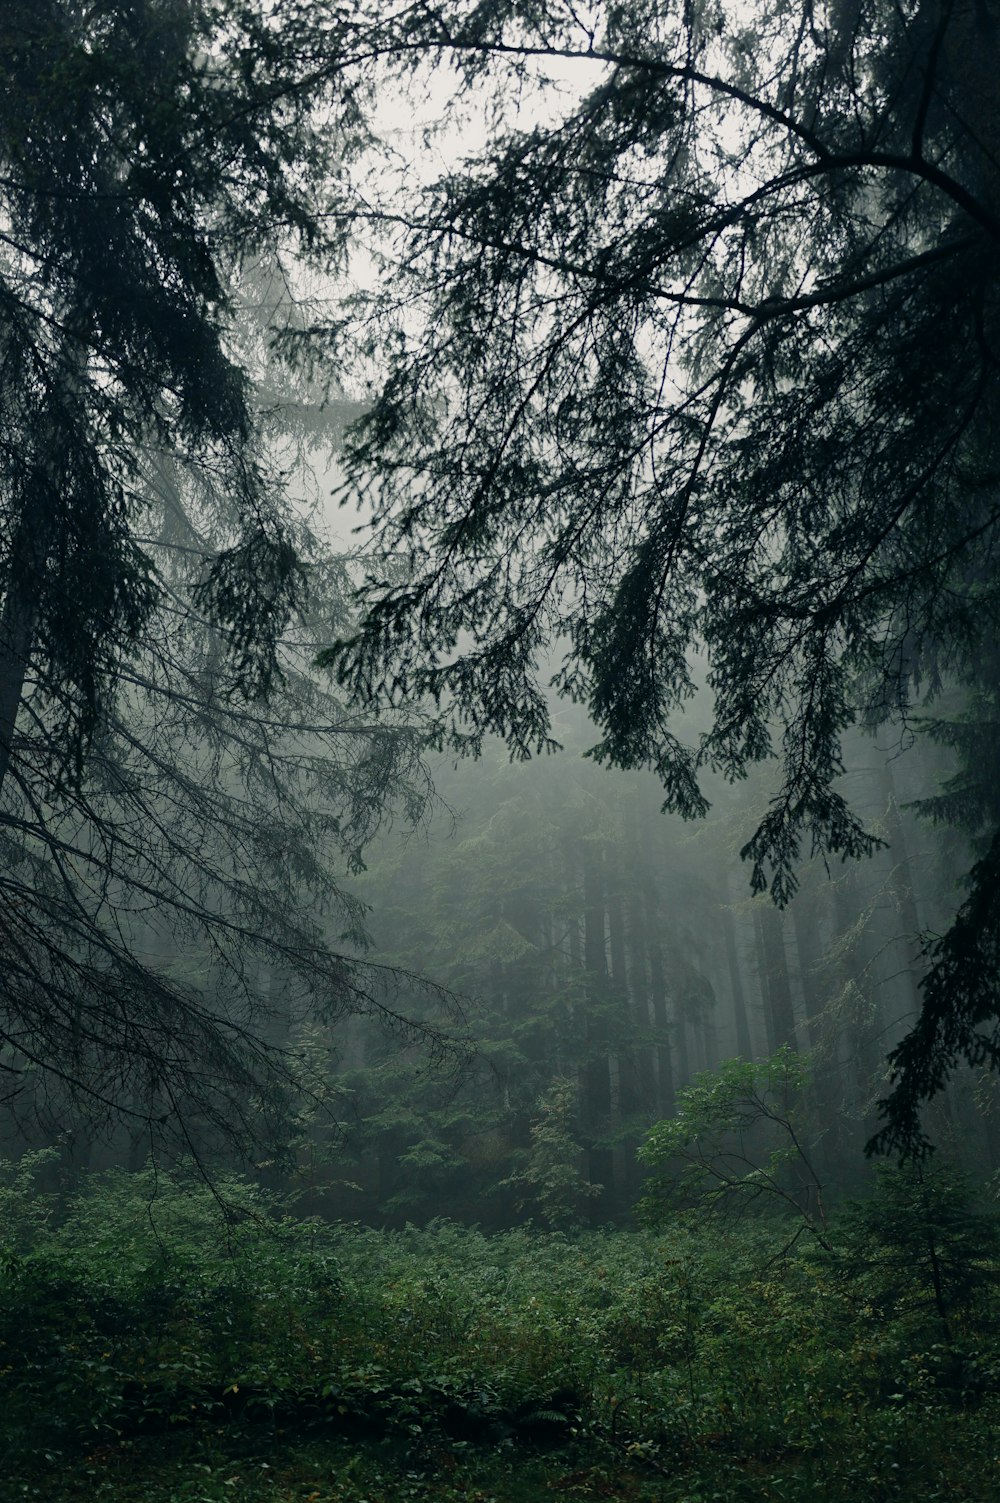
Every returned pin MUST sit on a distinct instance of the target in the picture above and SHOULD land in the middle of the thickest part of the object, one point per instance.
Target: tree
(178, 799)
(498, 914)
(736, 1141)
(920, 1244)
(551, 1176)
(700, 360)
(583, 953)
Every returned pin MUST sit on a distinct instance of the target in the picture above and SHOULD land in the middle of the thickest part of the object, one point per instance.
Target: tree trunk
(640, 991)
(779, 1017)
(32, 542)
(597, 1072)
(744, 1042)
(17, 623)
(805, 926)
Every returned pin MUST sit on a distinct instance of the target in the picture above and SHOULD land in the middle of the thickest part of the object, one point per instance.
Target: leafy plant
(147, 1326)
(737, 1140)
(920, 1246)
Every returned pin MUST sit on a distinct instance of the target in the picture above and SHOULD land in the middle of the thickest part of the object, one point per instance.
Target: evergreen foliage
(702, 358)
(551, 1179)
(680, 973)
(920, 1249)
(543, 906)
(179, 800)
(700, 361)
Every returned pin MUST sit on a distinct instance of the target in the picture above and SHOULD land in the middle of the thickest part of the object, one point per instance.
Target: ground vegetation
(160, 1355)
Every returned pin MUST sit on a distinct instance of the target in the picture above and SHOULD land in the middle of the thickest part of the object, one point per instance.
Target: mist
(499, 758)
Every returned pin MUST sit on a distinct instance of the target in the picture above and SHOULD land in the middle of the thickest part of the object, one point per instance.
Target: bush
(706, 1353)
(736, 1142)
(917, 1261)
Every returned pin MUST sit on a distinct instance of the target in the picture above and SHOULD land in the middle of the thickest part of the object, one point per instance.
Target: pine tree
(702, 357)
(179, 801)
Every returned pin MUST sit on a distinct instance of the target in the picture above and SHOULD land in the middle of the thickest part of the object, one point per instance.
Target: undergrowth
(692, 1364)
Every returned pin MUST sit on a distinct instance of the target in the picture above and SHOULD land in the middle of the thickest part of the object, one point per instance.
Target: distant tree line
(609, 956)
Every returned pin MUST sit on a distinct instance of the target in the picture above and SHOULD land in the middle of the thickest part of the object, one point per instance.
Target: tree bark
(597, 1074)
(744, 1042)
(779, 1017)
(805, 926)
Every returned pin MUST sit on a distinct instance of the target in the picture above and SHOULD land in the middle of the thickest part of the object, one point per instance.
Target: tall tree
(178, 800)
(705, 354)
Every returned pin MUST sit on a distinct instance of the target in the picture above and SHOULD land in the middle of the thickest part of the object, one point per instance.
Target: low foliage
(438, 1362)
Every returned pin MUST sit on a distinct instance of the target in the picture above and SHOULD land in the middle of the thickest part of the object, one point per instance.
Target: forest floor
(342, 1472)
(185, 1470)
(150, 1353)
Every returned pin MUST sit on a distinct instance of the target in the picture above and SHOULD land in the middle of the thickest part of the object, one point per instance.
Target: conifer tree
(178, 799)
(700, 357)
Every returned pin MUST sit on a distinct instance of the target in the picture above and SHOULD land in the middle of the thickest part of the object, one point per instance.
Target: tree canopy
(689, 375)
(686, 376)
(178, 799)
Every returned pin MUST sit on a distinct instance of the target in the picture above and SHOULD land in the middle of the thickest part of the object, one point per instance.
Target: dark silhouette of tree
(178, 799)
(703, 355)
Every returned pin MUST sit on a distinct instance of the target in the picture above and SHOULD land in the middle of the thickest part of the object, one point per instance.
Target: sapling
(737, 1141)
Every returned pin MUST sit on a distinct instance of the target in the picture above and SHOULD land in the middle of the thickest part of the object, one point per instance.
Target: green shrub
(552, 1179)
(704, 1350)
(918, 1263)
(736, 1142)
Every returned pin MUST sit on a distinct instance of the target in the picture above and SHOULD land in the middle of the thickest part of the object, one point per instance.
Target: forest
(499, 751)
